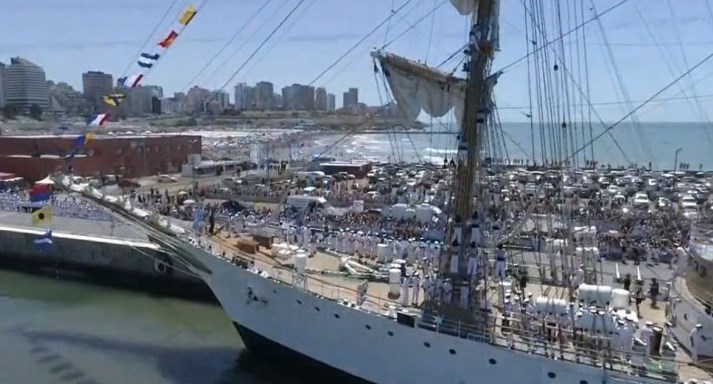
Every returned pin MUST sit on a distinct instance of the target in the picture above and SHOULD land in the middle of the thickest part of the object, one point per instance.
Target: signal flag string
(146, 61)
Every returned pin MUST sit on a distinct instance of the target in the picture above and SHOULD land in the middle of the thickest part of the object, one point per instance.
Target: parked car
(166, 179)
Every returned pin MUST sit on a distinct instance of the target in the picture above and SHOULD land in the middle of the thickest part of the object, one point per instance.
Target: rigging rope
(622, 87)
(585, 23)
(412, 26)
(227, 43)
(662, 90)
(149, 37)
(262, 44)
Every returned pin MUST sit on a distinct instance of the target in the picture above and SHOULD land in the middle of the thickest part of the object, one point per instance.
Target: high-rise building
(263, 95)
(289, 97)
(141, 100)
(222, 99)
(306, 96)
(331, 103)
(243, 97)
(298, 97)
(320, 99)
(96, 84)
(350, 99)
(2, 88)
(25, 85)
(197, 100)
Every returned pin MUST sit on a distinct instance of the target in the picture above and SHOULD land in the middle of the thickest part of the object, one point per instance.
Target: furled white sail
(417, 87)
(469, 7)
(465, 7)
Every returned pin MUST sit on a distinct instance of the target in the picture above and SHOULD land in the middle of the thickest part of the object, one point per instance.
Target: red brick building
(35, 157)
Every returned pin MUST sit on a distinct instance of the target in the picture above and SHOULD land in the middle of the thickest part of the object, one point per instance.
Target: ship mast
(466, 188)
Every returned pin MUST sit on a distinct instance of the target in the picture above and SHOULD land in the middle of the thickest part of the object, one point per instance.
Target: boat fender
(162, 265)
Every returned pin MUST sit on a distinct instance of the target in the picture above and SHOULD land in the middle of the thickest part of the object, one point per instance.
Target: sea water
(643, 143)
(55, 330)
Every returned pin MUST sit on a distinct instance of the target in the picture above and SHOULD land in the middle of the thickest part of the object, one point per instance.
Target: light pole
(675, 167)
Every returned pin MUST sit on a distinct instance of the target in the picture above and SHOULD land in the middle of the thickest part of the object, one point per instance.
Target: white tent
(46, 181)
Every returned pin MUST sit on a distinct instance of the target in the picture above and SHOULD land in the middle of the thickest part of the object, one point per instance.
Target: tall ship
(473, 322)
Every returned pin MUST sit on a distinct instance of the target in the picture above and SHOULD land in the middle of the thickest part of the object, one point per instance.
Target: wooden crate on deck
(264, 241)
(247, 246)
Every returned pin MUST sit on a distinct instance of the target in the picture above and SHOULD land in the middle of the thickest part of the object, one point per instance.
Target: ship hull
(280, 320)
(264, 347)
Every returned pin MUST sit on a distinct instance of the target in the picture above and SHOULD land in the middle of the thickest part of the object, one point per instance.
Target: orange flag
(165, 43)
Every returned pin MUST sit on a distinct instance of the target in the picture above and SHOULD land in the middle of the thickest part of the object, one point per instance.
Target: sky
(650, 42)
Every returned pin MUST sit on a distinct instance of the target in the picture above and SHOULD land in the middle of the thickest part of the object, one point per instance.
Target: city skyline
(650, 45)
(103, 84)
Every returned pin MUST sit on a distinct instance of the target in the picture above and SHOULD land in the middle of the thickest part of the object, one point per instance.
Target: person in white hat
(696, 340)
(647, 336)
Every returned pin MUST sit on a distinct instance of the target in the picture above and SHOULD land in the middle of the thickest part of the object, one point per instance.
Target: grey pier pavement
(108, 252)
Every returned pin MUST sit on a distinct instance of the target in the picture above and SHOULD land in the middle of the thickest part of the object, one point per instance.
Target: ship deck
(344, 289)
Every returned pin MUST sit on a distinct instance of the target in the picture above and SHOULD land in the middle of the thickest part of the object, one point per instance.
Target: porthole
(583, 382)
(390, 333)
(452, 351)
(551, 375)
(336, 316)
(492, 362)
(427, 344)
(367, 326)
(299, 302)
(316, 309)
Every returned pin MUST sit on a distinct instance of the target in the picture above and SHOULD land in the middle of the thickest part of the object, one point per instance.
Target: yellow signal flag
(188, 15)
(42, 215)
(114, 100)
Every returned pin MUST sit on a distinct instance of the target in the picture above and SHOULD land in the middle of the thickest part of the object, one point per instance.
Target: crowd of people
(62, 205)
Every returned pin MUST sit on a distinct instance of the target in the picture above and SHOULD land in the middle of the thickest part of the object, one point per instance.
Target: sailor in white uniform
(696, 341)
(647, 336)
(578, 277)
(682, 261)
(500, 263)
(617, 342)
(436, 259)
(447, 292)
(473, 262)
(407, 282)
(429, 287)
(668, 337)
(416, 290)
(475, 234)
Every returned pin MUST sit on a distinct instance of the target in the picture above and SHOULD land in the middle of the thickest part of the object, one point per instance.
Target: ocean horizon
(626, 144)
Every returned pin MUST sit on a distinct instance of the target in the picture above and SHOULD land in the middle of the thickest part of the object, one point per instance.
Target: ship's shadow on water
(177, 365)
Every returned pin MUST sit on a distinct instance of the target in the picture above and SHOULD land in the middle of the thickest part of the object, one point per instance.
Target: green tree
(9, 111)
(36, 112)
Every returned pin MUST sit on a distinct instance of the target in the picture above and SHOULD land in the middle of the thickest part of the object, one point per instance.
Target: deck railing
(573, 346)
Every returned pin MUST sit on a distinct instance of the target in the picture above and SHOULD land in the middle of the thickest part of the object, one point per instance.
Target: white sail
(469, 7)
(465, 7)
(417, 87)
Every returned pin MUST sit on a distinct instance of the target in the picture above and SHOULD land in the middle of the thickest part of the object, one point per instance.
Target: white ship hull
(283, 321)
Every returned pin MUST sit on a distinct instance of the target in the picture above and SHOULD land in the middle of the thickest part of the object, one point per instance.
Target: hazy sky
(68, 37)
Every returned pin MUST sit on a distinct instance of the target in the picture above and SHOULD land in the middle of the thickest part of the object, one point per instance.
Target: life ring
(162, 265)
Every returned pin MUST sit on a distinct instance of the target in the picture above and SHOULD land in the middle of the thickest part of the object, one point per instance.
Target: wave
(441, 151)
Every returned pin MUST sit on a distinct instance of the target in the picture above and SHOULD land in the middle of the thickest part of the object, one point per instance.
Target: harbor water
(55, 330)
(639, 143)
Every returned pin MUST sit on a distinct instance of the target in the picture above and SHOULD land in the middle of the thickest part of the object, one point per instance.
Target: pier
(114, 254)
